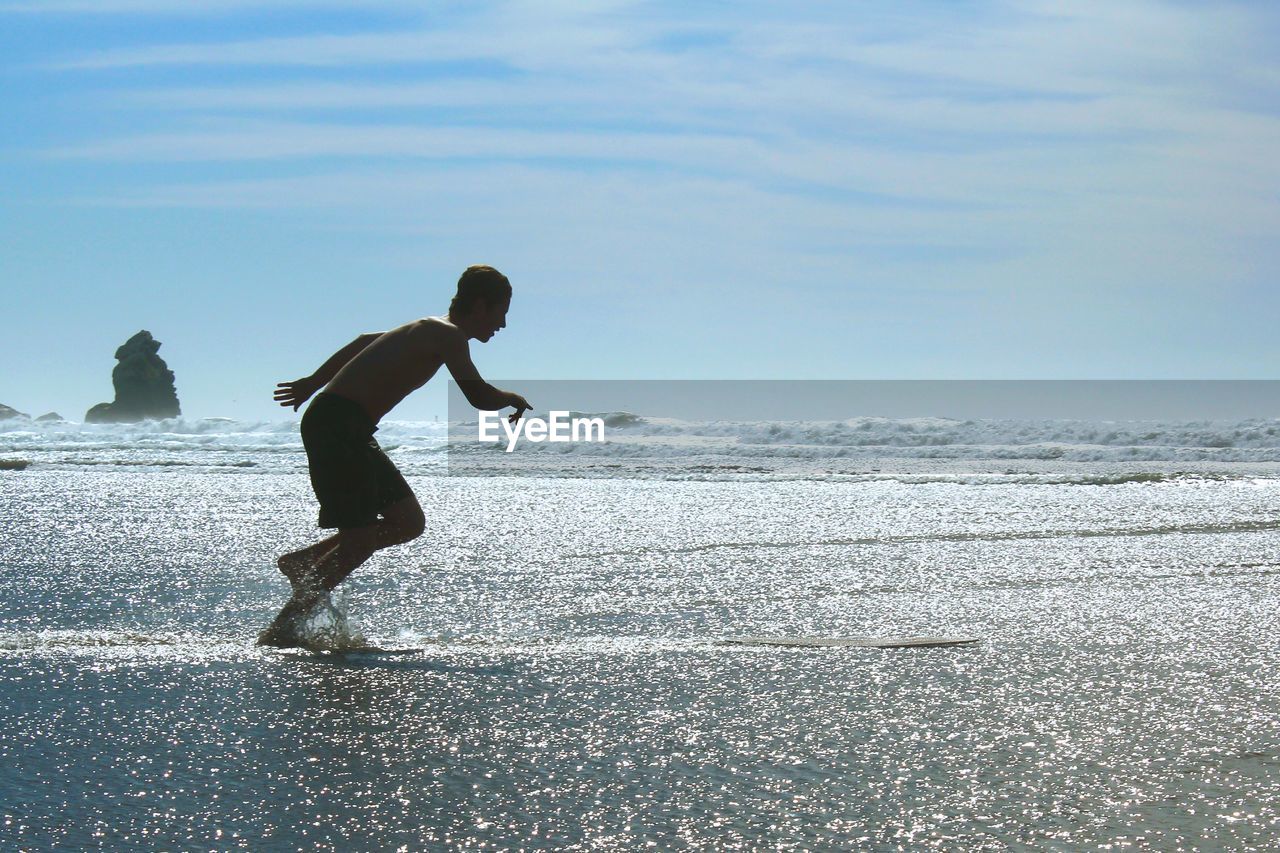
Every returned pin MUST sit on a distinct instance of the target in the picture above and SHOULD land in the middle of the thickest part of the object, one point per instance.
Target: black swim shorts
(352, 477)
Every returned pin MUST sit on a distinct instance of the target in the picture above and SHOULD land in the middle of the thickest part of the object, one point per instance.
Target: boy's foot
(282, 633)
(294, 567)
(278, 638)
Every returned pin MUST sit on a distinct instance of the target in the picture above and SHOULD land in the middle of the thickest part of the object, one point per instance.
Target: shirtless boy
(360, 491)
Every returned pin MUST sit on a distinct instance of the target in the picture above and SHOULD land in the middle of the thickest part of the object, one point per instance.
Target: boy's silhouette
(360, 491)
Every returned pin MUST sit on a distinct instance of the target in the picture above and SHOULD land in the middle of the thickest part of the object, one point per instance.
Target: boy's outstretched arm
(479, 393)
(298, 391)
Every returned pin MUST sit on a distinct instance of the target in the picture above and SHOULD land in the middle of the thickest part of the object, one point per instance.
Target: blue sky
(746, 190)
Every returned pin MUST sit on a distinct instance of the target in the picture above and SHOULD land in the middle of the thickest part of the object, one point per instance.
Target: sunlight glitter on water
(573, 690)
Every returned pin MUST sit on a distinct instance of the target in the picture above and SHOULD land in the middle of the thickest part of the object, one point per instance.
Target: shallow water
(574, 690)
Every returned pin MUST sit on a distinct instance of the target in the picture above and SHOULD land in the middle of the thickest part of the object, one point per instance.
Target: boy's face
(491, 318)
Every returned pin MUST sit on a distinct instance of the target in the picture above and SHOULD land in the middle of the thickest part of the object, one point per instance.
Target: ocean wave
(944, 432)
(1038, 436)
(913, 450)
(1226, 527)
(164, 426)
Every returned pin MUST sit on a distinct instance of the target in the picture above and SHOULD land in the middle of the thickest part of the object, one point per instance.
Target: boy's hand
(521, 406)
(297, 392)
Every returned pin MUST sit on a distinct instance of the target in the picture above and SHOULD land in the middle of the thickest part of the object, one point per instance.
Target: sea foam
(663, 448)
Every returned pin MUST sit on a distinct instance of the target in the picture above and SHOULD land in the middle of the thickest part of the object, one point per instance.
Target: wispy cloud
(510, 33)
(1079, 75)
(633, 226)
(1033, 132)
(985, 187)
(181, 8)
(975, 177)
(315, 50)
(1042, 49)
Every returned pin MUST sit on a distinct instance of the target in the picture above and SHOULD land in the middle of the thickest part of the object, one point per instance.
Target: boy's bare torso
(397, 363)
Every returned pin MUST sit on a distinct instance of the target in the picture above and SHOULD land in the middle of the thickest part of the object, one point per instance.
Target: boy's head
(482, 300)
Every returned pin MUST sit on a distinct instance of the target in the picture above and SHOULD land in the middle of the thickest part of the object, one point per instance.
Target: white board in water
(855, 642)
(343, 651)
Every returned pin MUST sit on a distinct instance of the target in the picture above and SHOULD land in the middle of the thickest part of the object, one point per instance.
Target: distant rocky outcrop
(51, 418)
(143, 383)
(6, 413)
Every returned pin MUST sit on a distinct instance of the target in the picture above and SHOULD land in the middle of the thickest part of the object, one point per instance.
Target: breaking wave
(864, 448)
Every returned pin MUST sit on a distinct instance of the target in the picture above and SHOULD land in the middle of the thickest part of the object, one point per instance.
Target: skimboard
(348, 651)
(854, 642)
(374, 650)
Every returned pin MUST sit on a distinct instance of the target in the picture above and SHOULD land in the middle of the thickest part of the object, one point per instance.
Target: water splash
(327, 626)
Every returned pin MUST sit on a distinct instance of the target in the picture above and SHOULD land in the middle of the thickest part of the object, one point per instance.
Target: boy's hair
(479, 283)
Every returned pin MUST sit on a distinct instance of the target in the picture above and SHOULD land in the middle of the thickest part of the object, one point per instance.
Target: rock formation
(50, 418)
(143, 383)
(6, 413)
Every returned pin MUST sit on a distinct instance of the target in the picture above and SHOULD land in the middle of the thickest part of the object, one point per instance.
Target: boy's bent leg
(331, 560)
(403, 521)
(353, 546)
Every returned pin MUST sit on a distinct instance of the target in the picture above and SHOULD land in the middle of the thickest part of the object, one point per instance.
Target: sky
(807, 190)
